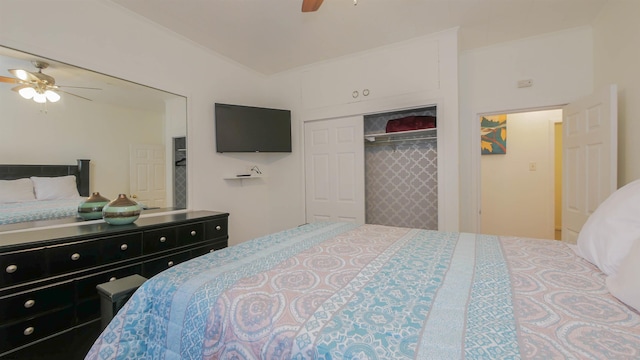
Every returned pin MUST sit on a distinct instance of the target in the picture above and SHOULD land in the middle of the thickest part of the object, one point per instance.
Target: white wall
(101, 36)
(516, 200)
(64, 133)
(560, 65)
(445, 94)
(616, 36)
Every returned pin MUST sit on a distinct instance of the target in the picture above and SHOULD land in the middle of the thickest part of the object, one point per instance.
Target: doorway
(521, 182)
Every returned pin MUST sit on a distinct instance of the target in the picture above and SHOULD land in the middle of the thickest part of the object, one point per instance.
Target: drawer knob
(28, 331)
(365, 92)
(29, 303)
(163, 239)
(193, 233)
(218, 227)
(170, 263)
(355, 94)
(75, 256)
(113, 278)
(11, 269)
(123, 247)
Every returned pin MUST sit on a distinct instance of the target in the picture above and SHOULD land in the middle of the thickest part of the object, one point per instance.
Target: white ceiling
(271, 36)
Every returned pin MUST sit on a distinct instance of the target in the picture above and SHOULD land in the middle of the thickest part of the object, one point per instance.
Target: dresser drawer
(73, 257)
(159, 240)
(29, 304)
(88, 300)
(120, 248)
(86, 286)
(209, 248)
(216, 229)
(190, 234)
(24, 332)
(153, 267)
(22, 266)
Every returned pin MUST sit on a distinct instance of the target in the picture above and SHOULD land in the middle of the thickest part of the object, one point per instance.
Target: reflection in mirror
(133, 135)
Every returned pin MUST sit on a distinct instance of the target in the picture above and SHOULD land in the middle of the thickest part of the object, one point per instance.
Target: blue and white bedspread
(340, 291)
(11, 213)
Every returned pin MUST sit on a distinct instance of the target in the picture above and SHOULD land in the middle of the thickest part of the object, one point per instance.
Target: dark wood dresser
(48, 277)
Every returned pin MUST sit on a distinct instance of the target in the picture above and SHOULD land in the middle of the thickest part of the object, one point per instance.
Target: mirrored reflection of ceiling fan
(37, 85)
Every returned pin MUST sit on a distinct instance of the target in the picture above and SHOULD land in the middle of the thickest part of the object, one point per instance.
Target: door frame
(476, 168)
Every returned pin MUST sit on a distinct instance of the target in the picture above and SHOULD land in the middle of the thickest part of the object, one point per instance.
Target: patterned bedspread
(340, 291)
(38, 210)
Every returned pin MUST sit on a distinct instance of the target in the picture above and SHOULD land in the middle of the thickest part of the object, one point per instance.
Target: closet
(358, 170)
(401, 170)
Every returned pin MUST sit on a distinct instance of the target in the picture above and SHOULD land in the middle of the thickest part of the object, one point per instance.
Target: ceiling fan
(37, 85)
(311, 5)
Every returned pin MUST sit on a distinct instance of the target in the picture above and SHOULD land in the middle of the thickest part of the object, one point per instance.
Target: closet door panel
(334, 168)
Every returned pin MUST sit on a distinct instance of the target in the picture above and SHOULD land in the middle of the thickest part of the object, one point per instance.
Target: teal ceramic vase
(91, 209)
(121, 211)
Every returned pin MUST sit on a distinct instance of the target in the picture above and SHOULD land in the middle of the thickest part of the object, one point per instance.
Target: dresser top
(48, 236)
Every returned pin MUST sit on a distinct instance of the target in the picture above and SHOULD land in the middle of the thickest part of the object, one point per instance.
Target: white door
(334, 169)
(590, 157)
(147, 168)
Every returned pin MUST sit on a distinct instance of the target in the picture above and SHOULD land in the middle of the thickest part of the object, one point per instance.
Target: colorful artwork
(493, 134)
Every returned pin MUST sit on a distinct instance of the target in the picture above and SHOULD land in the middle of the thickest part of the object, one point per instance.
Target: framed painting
(493, 134)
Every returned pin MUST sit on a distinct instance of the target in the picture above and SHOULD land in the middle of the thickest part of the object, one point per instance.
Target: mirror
(134, 135)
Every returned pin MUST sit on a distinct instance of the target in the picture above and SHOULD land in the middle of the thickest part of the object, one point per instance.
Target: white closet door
(334, 170)
(590, 157)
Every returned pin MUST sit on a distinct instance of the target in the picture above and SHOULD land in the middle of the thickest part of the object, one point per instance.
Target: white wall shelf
(235, 177)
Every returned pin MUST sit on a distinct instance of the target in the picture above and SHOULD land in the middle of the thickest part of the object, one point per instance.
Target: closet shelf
(422, 134)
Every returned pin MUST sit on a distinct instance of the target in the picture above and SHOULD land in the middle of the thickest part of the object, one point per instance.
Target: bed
(42, 192)
(346, 291)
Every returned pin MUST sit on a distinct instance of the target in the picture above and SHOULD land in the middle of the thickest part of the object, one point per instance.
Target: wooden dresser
(48, 277)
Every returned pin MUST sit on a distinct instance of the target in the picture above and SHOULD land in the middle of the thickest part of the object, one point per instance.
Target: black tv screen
(252, 129)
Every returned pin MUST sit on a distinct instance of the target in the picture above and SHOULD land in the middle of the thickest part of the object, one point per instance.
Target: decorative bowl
(121, 211)
(91, 209)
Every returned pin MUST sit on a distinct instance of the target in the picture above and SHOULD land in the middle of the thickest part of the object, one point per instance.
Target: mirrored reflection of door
(147, 175)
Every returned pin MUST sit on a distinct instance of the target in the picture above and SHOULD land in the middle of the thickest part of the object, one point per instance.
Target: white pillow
(608, 234)
(16, 190)
(55, 188)
(625, 285)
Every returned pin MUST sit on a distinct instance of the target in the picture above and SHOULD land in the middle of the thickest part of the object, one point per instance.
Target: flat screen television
(252, 129)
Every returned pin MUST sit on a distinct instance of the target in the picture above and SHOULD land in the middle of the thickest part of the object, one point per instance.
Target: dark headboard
(81, 171)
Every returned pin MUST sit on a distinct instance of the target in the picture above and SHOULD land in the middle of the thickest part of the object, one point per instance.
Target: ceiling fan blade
(311, 5)
(9, 80)
(81, 97)
(19, 87)
(24, 75)
(76, 87)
